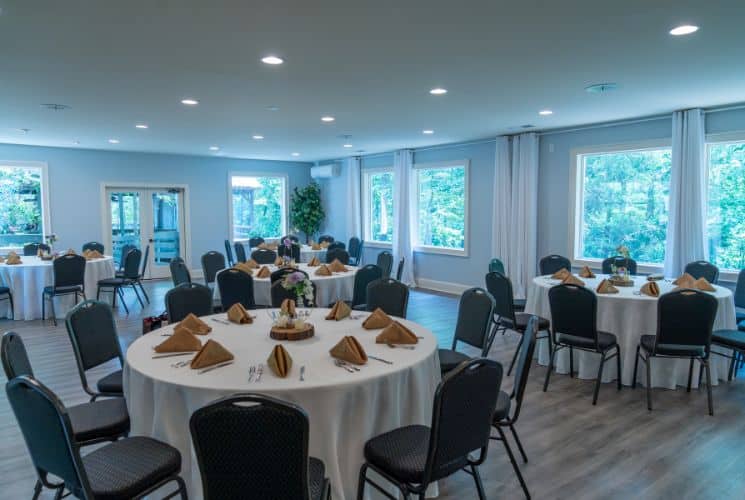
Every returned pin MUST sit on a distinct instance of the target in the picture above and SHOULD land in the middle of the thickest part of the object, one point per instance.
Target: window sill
(377, 244)
(441, 251)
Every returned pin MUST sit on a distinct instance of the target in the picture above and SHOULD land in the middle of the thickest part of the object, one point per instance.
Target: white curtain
(686, 226)
(515, 207)
(403, 226)
(354, 208)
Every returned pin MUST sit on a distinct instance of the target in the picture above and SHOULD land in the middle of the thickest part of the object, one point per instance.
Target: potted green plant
(306, 211)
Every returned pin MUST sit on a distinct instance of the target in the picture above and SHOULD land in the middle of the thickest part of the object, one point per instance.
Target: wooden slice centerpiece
(292, 333)
(619, 281)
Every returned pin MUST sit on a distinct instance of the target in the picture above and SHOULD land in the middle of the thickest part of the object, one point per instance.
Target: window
(441, 206)
(622, 199)
(726, 205)
(24, 214)
(377, 210)
(258, 206)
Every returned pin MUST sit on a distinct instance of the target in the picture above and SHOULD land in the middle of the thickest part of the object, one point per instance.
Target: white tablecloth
(629, 316)
(307, 253)
(329, 289)
(28, 279)
(344, 409)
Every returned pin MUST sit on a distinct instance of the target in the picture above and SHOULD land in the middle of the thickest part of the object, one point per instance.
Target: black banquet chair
(475, 312)
(293, 251)
(400, 269)
(179, 272)
(229, 252)
(355, 250)
(290, 237)
(131, 467)
(69, 279)
(212, 262)
(573, 325)
(703, 269)
(255, 242)
(236, 287)
(685, 319)
(264, 256)
(94, 245)
(188, 298)
(128, 278)
(390, 295)
(240, 252)
(362, 278)
(496, 266)
(618, 261)
(338, 253)
(256, 446)
(6, 294)
(552, 263)
(385, 262)
(31, 249)
(326, 238)
(414, 456)
(740, 300)
(336, 244)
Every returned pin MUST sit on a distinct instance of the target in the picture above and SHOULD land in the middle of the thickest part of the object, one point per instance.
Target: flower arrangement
(621, 271)
(299, 283)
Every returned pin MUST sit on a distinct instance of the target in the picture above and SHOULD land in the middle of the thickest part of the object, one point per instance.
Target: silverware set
(302, 373)
(346, 366)
(221, 321)
(255, 372)
(214, 367)
(380, 359)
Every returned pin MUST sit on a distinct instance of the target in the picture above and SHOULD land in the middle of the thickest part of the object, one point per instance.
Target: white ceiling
(369, 63)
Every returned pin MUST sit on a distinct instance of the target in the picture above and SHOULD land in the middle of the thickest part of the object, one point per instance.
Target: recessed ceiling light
(685, 29)
(189, 102)
(274, 60)
(258, 137)
(272, 108)
(327, 119)
(545, 112)
(114, 141)
(141, 125)
(214, 148)
(428, 132)
(438, 91)
(295, 154)
(348, 146)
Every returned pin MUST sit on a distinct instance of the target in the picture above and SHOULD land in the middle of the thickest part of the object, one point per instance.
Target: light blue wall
(75, 177)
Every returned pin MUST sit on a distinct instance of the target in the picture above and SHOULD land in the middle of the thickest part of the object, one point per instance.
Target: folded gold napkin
(13, 259)
(337, 267)
(704, 285)
(252, 264)
(264, 272)
(685, 281)
(278, 261)
(70, 251)
(349, 349)
(586, 272)
(573, 280)
(195, 324)
(182, 340)
(323, 271)
(314, 262)
(91, 254)
(244, 267)
(238, 314)
(396, 333)
(650, 288)
(340, 311)
(315, 246)
(378, 319)
(560, 274)
(288, 307)
(280, 361)
(605, 286)
(210, 354)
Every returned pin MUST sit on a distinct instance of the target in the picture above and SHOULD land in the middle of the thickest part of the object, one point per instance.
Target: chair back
(240, 252)
(462, 413)
(293, 251)
(685, 317)
(336, 244)
(179, 271)
(500, 288)
(522, 370)
(326, 238)
(145, 259)
(496, 265)
(354, 246)
(69, 270)
(619, 261)
(280, 293)
(252, 443)
(48, 434)
(93, 245)
(188, 298)
(703, 269)
(390, 295)
(229, 252)
(385, 263)
(132, 264)
(125, 250)
(574, 311)
(740, 290)
(236, 286)
(14, 357)
(400, 270)
(92, 331)
(552, 263)
(30, 249)
(264, 256)
(255, 241)
(364, 277)
(212, 262)
(475, 312)
(337, 253)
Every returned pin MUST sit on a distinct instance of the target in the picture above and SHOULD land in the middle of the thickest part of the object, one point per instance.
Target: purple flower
(287, 242)
(295, 278)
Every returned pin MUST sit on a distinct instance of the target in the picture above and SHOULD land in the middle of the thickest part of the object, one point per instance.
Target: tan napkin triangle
(315, 246)
(280, 361)
(252, 264)
(605, 286)
(685, 281)
(211, 353)
(264, 272)
(278, 261)
(70, 251)
(238, 314)
(244, 267)
(263, 246)
(349, 349)
(337, 267)
(396, 333)
(650, 288)
(288, 307)
(378, 319)
(340, 311)
(323, 271)
(182, 340)
(561, 274)
(195, 324)
(314, 262)
(704, 285)
(586, 272)
(13, 259)
(573, 280)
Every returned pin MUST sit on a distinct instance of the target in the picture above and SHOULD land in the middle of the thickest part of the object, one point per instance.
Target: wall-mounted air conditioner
(325, 171)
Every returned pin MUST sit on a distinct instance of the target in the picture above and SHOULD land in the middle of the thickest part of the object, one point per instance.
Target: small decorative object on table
(288, 253)
(298, 283)
(620, 274)
(286, 327)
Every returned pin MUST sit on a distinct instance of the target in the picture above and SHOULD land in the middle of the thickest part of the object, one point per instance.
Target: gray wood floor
(614, 450)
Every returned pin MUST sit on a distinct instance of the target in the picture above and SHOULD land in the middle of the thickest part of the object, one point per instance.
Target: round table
(28, 279)
(329, 289)
(629, 315)
(345, 409)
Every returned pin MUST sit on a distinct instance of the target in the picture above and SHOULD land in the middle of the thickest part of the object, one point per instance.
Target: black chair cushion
(647, 343)
(49, 290)
(522, 322)
(316, 478)
(449, 359)
(115, 282)
(111, 383)
(126, 468)
(502, 410)
(729, 338)
(605, 341)
(105, 418)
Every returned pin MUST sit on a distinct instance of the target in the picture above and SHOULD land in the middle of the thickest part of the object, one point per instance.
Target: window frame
(414, 207)
(366, 213)
(46, 225)
(284, 223)
(576, 197)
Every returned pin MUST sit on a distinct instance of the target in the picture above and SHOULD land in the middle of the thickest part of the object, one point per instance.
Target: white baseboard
(442, 286)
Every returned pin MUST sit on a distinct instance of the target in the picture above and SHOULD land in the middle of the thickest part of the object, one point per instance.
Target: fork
(251, 372)
(349, 365)
(340, 364)
(259, 372)
(302, 373)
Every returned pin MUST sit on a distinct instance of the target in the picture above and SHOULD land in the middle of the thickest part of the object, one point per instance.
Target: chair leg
(477, 480)
(708, 387)
(121, 296)
(618, 367)
(59, 493)
(12, 308)
(144, 293)
(182, 488)
(550, 367)
(513, 461)
(571, 362)
(700, 374)
(137, 294)
(648, 366)
(597, 382)
(514, 358)
(519, 444)
(51, 310)
(690, 376)
(362, 481)
(37, 490)
(731, 371)
(636, 366)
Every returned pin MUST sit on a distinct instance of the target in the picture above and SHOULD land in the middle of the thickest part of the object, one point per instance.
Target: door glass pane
(165, 227)
(125, 221)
